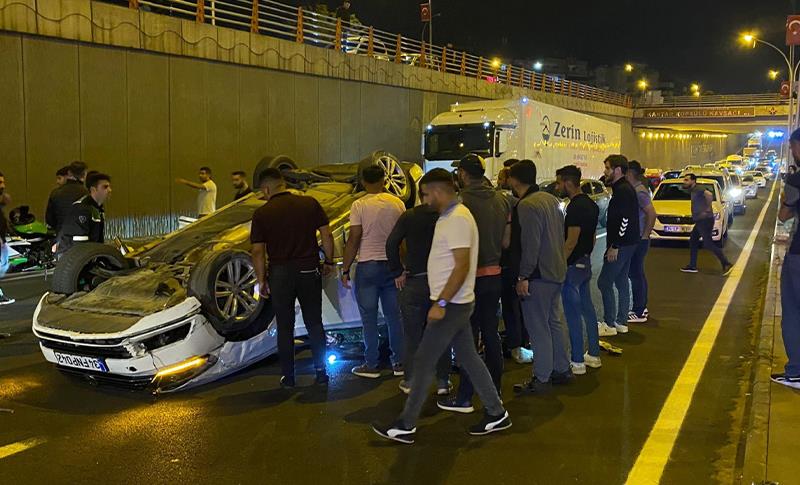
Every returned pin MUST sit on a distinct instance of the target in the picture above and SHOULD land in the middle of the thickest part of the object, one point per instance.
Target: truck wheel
(225, 283)
(398, 179)
(281, 162)
(85, 266)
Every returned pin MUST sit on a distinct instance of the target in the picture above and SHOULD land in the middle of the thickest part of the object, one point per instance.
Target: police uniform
(85, 223)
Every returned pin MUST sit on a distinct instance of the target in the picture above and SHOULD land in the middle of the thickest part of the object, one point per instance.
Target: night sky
(687, 41)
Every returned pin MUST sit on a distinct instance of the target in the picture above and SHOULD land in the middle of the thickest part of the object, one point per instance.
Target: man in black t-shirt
(239, 180)
(576, 295)
(294, 269)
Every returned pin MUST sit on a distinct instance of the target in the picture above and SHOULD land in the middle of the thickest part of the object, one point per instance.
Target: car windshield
(677, 192)
(672, 175)
(452, 142)
(747, 178)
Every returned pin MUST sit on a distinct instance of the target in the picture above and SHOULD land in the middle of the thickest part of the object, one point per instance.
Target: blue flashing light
(525, 100)
(775, 134)
(486, 124)
(332, 358)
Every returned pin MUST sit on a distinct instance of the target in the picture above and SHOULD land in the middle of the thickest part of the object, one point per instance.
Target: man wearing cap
(491, 211)
(647, 219)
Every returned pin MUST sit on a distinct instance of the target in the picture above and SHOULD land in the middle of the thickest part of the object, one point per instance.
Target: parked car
(723, 179)
(595, 189)
(654, 176)
(674, 208)
(185, 309)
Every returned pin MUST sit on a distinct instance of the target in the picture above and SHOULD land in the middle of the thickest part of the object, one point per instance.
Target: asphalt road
(244, 429)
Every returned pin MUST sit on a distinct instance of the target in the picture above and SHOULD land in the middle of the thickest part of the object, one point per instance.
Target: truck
(522, 129)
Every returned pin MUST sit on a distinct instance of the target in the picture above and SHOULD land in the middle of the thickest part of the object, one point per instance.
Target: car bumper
(660, 233)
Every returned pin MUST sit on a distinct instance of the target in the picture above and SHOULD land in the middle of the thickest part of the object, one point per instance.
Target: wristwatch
(442, 303)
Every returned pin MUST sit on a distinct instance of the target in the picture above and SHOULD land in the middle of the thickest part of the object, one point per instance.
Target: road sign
(425, 12)
(793, 30)
(785, 89)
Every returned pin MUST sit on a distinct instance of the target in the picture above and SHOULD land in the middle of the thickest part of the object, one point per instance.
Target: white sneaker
(578, 368)
(522, 355)
(621, 328)
(646, 312)
(592, 361)
(605, 330)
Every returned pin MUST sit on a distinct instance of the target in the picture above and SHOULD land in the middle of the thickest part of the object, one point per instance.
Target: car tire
(72, 272)
(398, 179)
(238, 312)
(281, 162)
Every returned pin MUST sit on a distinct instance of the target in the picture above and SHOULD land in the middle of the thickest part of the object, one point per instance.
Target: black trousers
(516, 334)
(287, 283)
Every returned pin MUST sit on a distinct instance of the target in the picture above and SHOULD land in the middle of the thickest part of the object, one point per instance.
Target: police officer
(86, 220)
(62, 197)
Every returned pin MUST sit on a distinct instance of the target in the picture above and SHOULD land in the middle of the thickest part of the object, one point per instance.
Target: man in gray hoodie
(537, 244)
(491, 211)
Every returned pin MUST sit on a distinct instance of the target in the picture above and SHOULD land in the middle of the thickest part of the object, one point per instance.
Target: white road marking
(652, 459)
(19, 447)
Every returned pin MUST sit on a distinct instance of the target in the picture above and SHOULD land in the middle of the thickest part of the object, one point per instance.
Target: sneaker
(634, 318)
(605, 330)
(591, 361)
(559, 379)
(534, 386)
(578, 368)
(646, 312)
(452, 404)
(366, 371)
(6, 300)
(397, 370)
(621, 328)
(404, 387)
(287, 382)
(322, 378)
(396, 431)
(444, 388)
(726, 269)
(521, 355)
(490, 424)
(689, 269)
(793, 382)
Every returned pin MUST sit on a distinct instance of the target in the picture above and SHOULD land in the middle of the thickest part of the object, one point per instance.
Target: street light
(496, 63)
(628, 67)
(773, 74)
(537, 66)
(695, 88)
(642, 84)
(696, 94)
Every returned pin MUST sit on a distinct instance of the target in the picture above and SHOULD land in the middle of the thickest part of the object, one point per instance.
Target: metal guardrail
(727, 100)
(288, 22)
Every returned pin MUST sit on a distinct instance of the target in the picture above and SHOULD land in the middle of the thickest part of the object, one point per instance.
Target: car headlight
(736, 192)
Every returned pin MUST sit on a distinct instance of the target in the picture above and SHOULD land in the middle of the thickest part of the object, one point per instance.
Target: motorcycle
(31, 242)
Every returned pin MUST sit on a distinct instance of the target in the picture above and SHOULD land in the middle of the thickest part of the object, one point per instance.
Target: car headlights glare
(736, 192)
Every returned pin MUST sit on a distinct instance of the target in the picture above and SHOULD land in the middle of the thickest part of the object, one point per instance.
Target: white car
(673, 207)
(750, 186)
(758, 177)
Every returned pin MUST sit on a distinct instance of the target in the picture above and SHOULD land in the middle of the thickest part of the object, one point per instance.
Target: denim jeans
(374, 283)
(3, 260)
(638, 277)
(484, 324)
(415, 301)
(540, 313)
(453, 330)
(790, 306)
(703, 228)
(616, 274)
(576, 296)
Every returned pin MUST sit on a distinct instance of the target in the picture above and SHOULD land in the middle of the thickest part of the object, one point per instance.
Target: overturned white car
(184, 310)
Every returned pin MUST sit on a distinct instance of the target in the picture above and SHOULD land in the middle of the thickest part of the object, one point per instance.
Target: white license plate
(675, 229)
(81, 362)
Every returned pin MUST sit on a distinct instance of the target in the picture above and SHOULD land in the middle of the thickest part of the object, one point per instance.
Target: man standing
(372, 219)
(621, 242)
(62, 197)
(240, 185)
(491, 211)
(580, 225)
(537, 244)
(206, 191)
(62, 174)
(790, 275)
(647, 219)
(452, 265)
(86, 220)
(4, 231)
(294, 268)
(703, 217)
(415, 227)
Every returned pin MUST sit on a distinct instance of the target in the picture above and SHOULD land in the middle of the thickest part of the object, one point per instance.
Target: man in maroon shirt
(294, 267)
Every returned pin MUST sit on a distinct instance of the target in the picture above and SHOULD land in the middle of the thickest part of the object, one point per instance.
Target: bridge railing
(288, 22)
(728, 100)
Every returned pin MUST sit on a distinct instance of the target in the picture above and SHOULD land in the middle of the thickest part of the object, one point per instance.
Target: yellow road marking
(19, 446)
(652, 460)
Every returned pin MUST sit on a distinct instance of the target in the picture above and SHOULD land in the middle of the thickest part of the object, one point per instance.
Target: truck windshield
(452, 142)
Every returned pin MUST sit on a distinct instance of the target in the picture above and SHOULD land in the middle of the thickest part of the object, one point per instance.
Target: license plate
(674, 229)
(81, 362)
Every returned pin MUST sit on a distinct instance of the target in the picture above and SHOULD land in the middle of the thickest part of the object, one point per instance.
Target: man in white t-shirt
(452, 265)
(206, 191)
(372, 219)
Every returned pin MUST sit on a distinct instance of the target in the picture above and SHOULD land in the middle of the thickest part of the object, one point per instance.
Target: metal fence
(292, 23)
(727, 100)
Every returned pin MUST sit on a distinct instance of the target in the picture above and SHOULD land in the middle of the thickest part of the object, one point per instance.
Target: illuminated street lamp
(496, 63)
(537, 66)
(695, 88)
(696, 94)
(773, 74)
(629, 67)
(642, 84)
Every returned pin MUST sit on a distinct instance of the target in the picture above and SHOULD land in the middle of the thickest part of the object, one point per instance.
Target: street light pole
(430, 24)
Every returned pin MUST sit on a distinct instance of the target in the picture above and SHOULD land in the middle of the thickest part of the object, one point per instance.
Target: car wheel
(398, 180)
(225, 284)
(85, 266)
(281, 162)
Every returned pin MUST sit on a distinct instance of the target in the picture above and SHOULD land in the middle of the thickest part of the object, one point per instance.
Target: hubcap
(396, 181)
(235, 289)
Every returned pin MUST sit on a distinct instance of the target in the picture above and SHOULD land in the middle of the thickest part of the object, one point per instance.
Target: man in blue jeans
(621, 240)
(790, 277)
(372, 218)
(647, 218)
(4, 231)
(580, 226)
